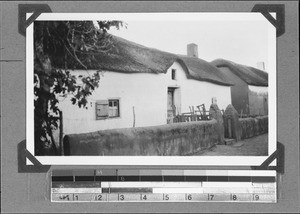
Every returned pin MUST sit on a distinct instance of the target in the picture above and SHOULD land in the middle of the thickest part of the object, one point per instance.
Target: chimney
(261, 66)
(192, 50)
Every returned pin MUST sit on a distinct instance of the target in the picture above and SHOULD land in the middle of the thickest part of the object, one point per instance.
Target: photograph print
(169, 84)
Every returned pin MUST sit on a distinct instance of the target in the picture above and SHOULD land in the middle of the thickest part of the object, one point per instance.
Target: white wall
(194, 92)
(258, 100)
(147, 93)
(259, 89)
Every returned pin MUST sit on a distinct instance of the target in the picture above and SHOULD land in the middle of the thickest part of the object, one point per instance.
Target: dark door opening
(171, 111)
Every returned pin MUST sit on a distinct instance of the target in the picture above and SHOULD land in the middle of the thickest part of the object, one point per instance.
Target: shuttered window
(107, 109)
(101, 109)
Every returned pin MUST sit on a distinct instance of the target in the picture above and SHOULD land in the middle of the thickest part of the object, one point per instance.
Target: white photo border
(154, 160)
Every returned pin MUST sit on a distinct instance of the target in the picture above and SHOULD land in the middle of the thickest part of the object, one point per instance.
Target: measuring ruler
(96, 185)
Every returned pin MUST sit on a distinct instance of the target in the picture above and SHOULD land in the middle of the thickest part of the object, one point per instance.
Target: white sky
(239, 40)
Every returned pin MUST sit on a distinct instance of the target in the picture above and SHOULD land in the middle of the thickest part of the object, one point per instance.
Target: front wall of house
(239, 91)
(143, 99)
(240, 98)
(142, 103)
(194, 92)
(197, 93)
(258, 100)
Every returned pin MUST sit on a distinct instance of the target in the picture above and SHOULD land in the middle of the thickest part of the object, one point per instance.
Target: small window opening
(173, 74)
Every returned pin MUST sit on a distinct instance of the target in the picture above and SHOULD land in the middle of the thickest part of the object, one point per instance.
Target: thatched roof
(129, 57)
(123, 56)
(201, 70)
(250, 75)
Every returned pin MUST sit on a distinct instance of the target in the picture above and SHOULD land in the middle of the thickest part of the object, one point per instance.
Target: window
(101, 109)
(107, 109)
(173, 74)
(113, 108)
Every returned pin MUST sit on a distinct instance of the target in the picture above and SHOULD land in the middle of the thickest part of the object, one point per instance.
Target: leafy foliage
(55, 44)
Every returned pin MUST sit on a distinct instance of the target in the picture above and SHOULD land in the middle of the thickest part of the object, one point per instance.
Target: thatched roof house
(249, 92)
(141, 86)
(250, 75)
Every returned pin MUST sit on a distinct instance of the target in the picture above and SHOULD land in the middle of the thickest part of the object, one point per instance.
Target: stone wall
(242, 128)
(216, 114)
(171, 139)
(232, 124)
(185, 138)
(251, 127)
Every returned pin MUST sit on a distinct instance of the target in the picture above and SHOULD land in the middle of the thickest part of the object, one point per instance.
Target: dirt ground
(255, 146)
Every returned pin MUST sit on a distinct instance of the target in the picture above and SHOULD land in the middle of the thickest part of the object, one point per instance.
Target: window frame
(118, 105)
(102, 102)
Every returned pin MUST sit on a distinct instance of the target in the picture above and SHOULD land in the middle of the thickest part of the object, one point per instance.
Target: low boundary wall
(243, 128)
(251, 127)
(171, 139)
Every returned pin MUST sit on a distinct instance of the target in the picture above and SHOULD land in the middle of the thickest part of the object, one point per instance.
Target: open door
(171, 107)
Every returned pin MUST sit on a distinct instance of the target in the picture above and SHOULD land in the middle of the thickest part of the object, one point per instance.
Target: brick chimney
(261, 66)
(192, 50)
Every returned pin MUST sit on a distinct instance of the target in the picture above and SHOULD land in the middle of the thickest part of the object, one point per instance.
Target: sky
(242, 41)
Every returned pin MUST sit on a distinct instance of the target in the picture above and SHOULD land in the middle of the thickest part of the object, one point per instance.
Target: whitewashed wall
(144, 92)
(147, 93)
(194, 92)
(259, 89)
(258, 100)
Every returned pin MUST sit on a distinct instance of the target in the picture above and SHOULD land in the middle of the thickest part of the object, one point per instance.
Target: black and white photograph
(149, 106)
(180, 86)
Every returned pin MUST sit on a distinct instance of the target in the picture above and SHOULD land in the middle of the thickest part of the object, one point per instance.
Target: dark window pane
(114, 108)
(173, 74)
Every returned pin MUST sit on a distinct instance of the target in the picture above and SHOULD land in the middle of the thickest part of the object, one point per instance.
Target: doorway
(171, 109)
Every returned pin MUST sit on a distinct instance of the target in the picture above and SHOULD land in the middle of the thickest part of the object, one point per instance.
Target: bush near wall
(251, 127)
(165, 140)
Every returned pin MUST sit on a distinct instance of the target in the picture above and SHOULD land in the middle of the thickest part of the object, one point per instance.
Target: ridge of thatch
(202, 70)
(250, 75)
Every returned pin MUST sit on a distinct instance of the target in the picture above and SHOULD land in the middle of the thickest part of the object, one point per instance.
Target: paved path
(255, 146)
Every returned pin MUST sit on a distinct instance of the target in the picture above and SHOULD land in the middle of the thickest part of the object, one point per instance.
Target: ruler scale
(163, 186)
